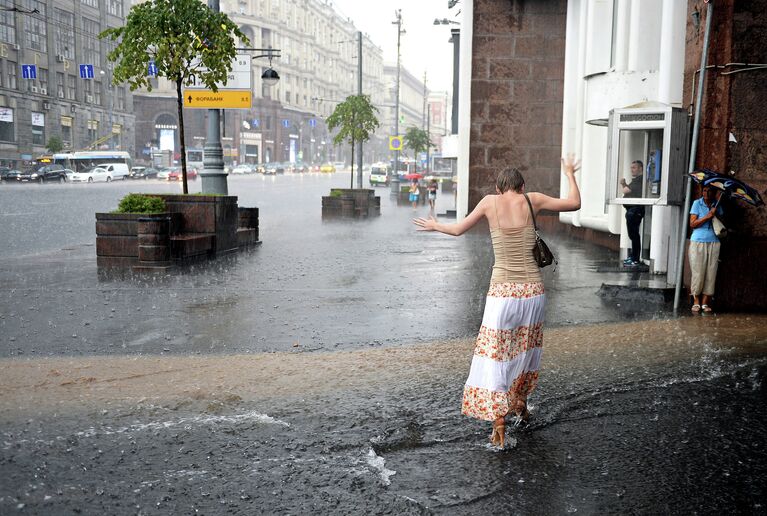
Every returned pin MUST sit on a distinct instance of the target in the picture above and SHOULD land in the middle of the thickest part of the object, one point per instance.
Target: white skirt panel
(495, 375)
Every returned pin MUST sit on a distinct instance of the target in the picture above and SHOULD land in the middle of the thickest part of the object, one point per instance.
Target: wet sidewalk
(310, 286)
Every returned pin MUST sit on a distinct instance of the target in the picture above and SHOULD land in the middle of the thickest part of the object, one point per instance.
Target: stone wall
(518, 60)
(734, 103)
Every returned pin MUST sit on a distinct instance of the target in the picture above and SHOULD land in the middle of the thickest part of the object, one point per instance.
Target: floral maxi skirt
(508, 350)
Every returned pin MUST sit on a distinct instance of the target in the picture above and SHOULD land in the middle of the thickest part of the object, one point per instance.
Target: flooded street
(666, 416)
(322, 372)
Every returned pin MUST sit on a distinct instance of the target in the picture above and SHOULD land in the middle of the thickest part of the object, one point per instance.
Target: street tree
(417, 140)
(356, 121)
(188, 43)
(54, 144)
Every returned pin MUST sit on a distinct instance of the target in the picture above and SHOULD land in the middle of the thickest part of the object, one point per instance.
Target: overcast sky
(425, 46)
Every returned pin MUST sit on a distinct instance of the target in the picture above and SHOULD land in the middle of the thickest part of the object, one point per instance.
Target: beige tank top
(513, 249)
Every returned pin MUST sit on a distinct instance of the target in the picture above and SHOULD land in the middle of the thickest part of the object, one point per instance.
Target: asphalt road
(311, 285)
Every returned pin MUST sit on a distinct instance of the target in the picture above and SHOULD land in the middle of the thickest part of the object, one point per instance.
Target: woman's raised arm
(457, 229)
(573, 201)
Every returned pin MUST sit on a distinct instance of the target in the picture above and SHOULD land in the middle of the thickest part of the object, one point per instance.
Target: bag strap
(530, 205)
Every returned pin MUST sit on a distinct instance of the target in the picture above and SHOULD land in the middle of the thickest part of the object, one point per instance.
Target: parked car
(45, 173)
(274, 168)
(116, 170)
(9, 174)
(379, 175)
(91, 175)
(142, 173)
(176, 174)
(301, 168)
(243, 168)
(339, 165)
(328, 168)
(162, 173)
(314, 167)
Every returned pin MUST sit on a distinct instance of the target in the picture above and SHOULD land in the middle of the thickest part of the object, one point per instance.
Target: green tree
(417, 140)
(356, 121)
(54, 144)
(189, 44)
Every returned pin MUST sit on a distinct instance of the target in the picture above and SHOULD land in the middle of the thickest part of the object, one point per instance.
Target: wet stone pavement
(240, 386)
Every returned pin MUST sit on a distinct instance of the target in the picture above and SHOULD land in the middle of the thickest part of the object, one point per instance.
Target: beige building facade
(42, 94)
(317, 68)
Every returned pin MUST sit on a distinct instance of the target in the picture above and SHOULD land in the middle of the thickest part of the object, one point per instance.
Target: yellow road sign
(221, 99)
(395, 143)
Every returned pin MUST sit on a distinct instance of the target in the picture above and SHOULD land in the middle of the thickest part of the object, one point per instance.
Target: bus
(81, 160)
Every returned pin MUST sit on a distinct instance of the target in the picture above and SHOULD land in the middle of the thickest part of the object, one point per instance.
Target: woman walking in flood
(507, 355)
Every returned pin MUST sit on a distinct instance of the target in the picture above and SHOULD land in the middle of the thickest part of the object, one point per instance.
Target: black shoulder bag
(541, 252)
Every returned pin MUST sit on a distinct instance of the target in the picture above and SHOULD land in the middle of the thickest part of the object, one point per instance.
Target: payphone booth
(656, 135)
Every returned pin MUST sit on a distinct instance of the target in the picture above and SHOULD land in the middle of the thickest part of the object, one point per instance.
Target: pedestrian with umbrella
(706, 228)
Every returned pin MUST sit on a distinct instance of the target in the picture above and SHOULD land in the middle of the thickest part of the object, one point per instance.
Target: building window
(287, 97)
(90, 3)
(59, 85)
(42, 78)
(13, 74)
(64, 34)
(38, 128)
(97, 93)
(93, 131)
(121, 98)
(66, 131)
(88, 88)
(35, 29)
(115, 7)
(268, 123)
(90, 41)
(7, 27)
(71, 87)
(117, 131)
(6, 124)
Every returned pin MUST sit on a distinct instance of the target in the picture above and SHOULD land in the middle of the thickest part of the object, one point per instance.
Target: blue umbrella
(730, 186)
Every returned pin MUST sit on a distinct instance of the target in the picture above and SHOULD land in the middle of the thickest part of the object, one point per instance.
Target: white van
(116, 170)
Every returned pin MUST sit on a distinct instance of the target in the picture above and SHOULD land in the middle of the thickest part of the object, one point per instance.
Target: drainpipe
(693, 156)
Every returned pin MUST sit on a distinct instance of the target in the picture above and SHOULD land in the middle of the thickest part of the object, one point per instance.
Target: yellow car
(327, 167)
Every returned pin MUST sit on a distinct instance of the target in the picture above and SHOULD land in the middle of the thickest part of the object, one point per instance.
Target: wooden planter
(130, 240)
(247, 228)
(117, 239)
(214, 215)
(351, 203)
(195, 226)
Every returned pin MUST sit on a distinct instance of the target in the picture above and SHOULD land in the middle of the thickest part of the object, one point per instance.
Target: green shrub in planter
(138, 203)
(336, 193)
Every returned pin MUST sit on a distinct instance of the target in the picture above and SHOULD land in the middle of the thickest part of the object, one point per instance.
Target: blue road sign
(152, 69)
(256, 122)
(86, 71)
(312, 122)
(28, 71)
(285, 122)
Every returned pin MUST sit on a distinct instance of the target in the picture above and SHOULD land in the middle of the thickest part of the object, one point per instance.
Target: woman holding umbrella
(704, 248)
(704, 243)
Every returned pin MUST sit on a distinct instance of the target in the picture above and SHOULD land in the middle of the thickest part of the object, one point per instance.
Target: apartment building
(317, 68)
(43, 44)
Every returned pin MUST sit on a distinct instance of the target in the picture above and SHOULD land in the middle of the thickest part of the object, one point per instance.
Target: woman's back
(513, 236)
(510, 211)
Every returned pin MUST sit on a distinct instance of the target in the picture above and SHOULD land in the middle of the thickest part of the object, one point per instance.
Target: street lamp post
(213, 176)
(395, 175)
(108, 78)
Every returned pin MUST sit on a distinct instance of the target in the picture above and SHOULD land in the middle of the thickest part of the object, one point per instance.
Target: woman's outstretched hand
(429, 224)
(570, 165)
